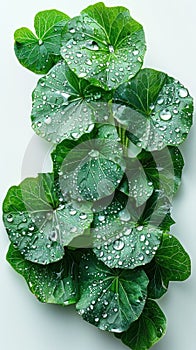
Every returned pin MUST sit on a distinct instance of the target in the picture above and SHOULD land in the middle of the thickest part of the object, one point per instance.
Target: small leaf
(164, 169)
(159, 110)
(147, 330)
(139, 187)
(156, 211)
(104, 44)
(65, 106)
(54, 284)
(90, 168)
(171, 263)
(110, 299)
(39, 221)
(119, 240)
(40, 52)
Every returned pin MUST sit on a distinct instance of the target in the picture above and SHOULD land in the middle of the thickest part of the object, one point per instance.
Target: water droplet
(82, 216)
(89, 62)
(183, 93)
(165, 115)
(72, 212)
(90, 128)
(140, 228)
(128, 232)
(101, 218)
(9, 218)
(141, 257)
(118, 244)
(53, 236)
(96, 319)
(142, 238)
(94, 153)
(72, 30)
(111, 49)
(105, 315)
(92, 45)
(48, 120)
(40, 42)
(82, 75)
(31, 228)
(124, 215)
(160, 101)
(74, 135)
(79, 54)
(135, 52)
(73, 229)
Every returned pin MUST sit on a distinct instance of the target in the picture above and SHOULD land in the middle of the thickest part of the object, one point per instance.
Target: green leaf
(39, 221)
(156, 211)
(163, 169)
(65, 106)
(171, 263)
(54, 284)
(139, 187)
(147, 330)
(90, 168)
(110, 299)
(159, 110)
(120, 241)
(40, 52)
(104, 44)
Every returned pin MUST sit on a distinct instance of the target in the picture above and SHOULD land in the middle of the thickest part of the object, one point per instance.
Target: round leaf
(121, 242)
(40, 52)
(147, 330)
(65, 106)
(104, 44)
(171, 263)
(90, 168)
(53, 284)
(159, 110)
(39, 222)
(110, 299)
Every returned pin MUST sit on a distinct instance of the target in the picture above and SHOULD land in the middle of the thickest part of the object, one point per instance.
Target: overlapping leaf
(65, 106)
(40, 52)
(110, 299)
(147, 330)
(39, 222)
(54, 284)
(171, 263)
(90, 168)
(120, 240)
(104, 44)
(158, 110)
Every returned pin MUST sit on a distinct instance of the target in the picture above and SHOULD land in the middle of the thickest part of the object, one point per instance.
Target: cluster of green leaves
(95, 232)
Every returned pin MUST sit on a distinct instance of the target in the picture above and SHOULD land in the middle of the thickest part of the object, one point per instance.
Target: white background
(170, 28)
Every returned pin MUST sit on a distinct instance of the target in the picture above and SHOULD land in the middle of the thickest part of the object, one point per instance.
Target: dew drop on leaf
(10, 218)
(118, 244)
(183, 93)
(165, 115)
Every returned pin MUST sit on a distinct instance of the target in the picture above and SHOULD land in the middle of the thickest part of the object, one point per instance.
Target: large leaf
(159, 110)
(147, 330)
(39, 221)
(65, 106)
(90, 168)
(119, 240)
(54, 284)
(171, 263)
(104, 44)
(110, 299)
(40, 52)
